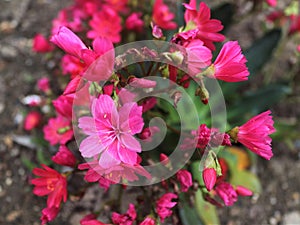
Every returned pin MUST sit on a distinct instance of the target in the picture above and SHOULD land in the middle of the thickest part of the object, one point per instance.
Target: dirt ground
(20, 67)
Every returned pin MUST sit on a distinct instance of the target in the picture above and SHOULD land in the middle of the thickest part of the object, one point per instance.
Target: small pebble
(273, 200)
(8, 181)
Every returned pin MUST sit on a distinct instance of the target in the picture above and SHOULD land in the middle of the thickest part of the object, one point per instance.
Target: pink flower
(110, 132)
(185, 179)
(124, 219)
(50, 183)
(41, 44)
(157, 32)
(209, 177)
(43, 84)
(68, 41)
(164, 205)
(64, 105)
(58, 130)
(272, 3)
(148, 221)
(206, 29)
(72, 65)
(49, 214)
(227, 193)
(91, 220)
(106, 23)
(240, 190)
(32, 120)
(64, 157)
(255, 134)
(198, 56)
(298, 48)
(114, 174)
(162, 16)
(230, 64)
(134, 22)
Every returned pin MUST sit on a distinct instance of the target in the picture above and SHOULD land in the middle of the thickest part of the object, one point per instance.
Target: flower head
(32, 120)
(255, 134)
(185, 179)
(134, 22)
(205, 28)
(43, 84)
(209, 177)
(64, 157)
(41, 44)
(148, 221)
(164, 205)
(162, 16)
(125, 219)
(227, 193)
(49, 214)
(230, 64)
(58, 130)
(111, 132)
(50, 183)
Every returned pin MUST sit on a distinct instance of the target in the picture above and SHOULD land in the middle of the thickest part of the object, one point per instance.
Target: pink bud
(164, 159)
(64, 157)
(43, 84)
(32, 120)
(272, 3)
(142, 83)
(157, 32)
(209, 177)
(240, 190)
(41, 44)
(298, 48)
(68, 41)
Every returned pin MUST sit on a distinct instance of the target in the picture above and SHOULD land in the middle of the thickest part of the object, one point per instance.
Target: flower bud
(240, 190)
(209, 176)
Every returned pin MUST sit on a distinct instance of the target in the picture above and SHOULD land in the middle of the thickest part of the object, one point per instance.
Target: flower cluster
(99, 105)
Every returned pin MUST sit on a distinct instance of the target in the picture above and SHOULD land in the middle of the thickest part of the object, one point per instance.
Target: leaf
(27, 163)
(261, 50)
(225, 14)
(188, 214)
(257, 101)
(246, 179)
(42, 159)
(205, 210)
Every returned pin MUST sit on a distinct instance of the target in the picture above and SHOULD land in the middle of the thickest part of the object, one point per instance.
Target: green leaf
(188, 214)
(261, 50)
(27, 163)
(246, 179)
(205, 210)
(255, 102)
(225, 14)
(42, 159)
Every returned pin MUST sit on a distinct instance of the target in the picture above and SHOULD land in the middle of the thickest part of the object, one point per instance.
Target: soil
(20, 68)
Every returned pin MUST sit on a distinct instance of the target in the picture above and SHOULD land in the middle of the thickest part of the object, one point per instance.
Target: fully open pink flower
(134, 22)
(68, 41)
(125, 219)
(106, 23)
(110, 132)
(162, 16)
(255, 134)
(206, 29)
(164, 205)
(50, 183)
(58, 130)
(230, 64)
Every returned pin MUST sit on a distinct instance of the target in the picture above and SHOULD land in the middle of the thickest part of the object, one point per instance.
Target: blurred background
(274, 83)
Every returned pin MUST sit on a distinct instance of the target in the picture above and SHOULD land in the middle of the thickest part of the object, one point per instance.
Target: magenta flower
(227, 193)
(50, 183)
(206, 29)
(125, 219)
(64, 105)
(255, 134)
(209, 177)
(162, 16)
(49, 214)
(32, 120)
(134, 22)
(230, 65)
(64, 157)
(185, 179)
(164, 205)
(110, 132)
(148, 221)
(68, 41)
(242, 191)
(106, 23)
(43, 84)
(41, 44)
(58, 130)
